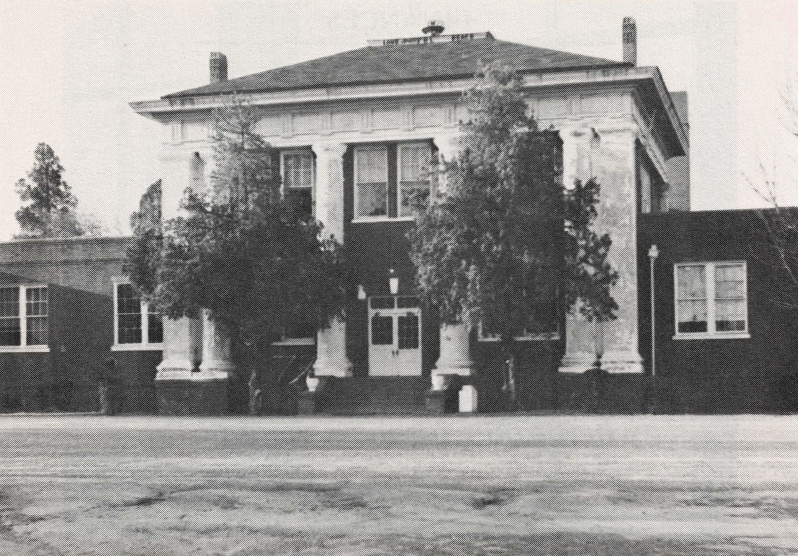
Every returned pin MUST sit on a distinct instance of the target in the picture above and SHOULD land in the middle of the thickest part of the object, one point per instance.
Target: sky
(70, 69)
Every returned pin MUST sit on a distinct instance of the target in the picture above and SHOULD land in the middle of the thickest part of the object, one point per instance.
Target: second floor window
(388, 178)
(298, 180)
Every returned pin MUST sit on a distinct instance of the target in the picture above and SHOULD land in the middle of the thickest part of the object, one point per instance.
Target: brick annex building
(355, 131)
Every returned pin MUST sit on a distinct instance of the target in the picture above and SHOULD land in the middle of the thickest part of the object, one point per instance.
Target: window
(711, 300)
(414, 176)
(298, 180)
(389, 178)
(135, 327)
(371, 182)
(23, 318)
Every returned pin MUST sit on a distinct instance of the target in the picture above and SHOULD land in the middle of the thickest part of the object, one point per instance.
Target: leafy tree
(50, 208)
(503, 239)
(239, 250)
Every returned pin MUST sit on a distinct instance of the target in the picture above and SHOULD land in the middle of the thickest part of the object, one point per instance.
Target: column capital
(448, 146)
(331, 150)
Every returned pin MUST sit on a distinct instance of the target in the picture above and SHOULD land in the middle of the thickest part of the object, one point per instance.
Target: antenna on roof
(433, 28)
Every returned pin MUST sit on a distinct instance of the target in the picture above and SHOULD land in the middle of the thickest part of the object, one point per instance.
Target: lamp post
(653, 253)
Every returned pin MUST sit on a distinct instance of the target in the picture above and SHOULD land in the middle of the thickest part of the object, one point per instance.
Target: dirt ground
(554, 485)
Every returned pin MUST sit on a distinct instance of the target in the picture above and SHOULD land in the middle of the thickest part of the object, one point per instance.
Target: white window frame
(283, 187)
(145, 345)
(23, 318)
(399, 176)
(381, 218)
(709, 275)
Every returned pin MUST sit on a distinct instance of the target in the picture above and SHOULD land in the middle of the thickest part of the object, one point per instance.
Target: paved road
(490, 485)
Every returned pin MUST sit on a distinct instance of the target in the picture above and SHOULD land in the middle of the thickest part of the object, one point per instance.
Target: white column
(217, 360)
(607, 153)
(455, 358)
(331, 358)
(182, 337)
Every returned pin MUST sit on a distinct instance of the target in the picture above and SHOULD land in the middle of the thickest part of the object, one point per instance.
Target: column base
(339, 368)
(614, 362)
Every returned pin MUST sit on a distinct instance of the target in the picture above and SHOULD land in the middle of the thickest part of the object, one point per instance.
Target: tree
(239, 251)
(50, 208)
(502, 241)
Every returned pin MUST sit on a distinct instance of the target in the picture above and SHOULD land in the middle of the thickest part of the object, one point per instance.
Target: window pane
(729, 281)
(155, 328)
(298, 171)
(413, 194)
(415, 162)
(37, 331)
(381, 330)
(372, 199)
(692, 316)
(372, 165)
(10, 332)
(692, 282)
(36, 302)
(300, 200)
(128, 307)
(730, 315)
(9, 302)
(408, 331)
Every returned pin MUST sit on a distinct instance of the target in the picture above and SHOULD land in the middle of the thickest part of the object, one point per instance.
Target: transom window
(711, 299)
(23, 317)
(135, 326)
(388, 178)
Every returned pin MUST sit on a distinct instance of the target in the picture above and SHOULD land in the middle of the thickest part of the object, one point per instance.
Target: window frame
(709, 273)
(399, 146)
(24, 347)
(284, 188)
(145, 344)
(356, 193)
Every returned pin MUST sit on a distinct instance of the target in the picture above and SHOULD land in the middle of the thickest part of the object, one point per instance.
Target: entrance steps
(403, 395)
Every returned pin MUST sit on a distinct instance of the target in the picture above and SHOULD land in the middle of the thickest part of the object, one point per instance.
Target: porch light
(361, 293)
(393, 282)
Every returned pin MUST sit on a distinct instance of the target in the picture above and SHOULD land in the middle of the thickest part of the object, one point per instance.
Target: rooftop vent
(433, 28)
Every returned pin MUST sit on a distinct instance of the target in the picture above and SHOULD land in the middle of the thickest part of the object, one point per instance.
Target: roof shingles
(397, 63)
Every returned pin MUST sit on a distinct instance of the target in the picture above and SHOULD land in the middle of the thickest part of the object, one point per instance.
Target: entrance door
(394, 336)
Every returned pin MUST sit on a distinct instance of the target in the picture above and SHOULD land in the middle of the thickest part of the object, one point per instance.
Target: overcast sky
(70, 69)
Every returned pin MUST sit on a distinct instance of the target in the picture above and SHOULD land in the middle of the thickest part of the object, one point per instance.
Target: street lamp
(653, 253)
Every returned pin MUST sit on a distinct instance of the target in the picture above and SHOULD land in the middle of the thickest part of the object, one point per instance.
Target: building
(353, 130)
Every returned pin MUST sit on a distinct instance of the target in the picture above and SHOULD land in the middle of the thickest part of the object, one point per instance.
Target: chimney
(630, 41)
(218, 67)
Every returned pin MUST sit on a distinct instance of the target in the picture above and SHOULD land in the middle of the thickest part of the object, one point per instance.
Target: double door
(394, 336)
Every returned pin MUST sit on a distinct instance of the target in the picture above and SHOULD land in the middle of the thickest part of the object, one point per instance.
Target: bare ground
(557, 485)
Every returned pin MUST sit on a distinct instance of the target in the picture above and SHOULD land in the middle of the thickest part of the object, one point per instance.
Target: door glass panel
(408, 331)
(381, 330)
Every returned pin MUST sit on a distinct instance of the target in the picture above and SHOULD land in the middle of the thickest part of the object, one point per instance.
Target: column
(331, 358)
(182, 337)
(455, 339)
(608, 153)
(217, 361)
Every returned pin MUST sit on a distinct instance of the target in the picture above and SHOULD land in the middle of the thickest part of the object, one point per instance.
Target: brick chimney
(630, 41)
(218, 67)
